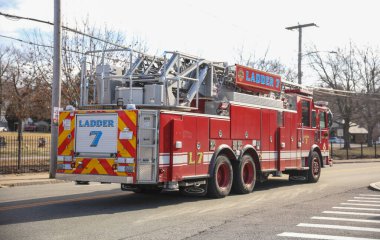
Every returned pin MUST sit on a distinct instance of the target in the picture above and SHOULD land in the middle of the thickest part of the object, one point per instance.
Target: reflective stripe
(164, 160)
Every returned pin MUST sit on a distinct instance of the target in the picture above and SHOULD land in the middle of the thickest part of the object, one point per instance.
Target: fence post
(361, 150)
(19, 145)
(347, 152)
(375, 151)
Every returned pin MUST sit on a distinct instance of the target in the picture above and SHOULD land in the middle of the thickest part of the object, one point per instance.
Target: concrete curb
(375, 186)
(29, 183)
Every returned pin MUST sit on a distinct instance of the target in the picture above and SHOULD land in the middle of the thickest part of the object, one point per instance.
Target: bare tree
(268, 65)
(74, 49)
(4, 65)
(368, 68)
(26, 94)
(338, 71)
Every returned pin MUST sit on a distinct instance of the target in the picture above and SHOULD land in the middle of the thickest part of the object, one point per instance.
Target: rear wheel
(220, 182)
(314, 171)
(244, 175)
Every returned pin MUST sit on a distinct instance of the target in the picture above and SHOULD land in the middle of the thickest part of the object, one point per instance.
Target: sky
(215, 29)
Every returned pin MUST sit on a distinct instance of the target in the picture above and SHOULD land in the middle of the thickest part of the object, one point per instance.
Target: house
(358, 134)
(3, 121)
(42, 126)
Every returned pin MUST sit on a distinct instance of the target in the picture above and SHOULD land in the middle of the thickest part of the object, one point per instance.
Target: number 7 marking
(97, 134)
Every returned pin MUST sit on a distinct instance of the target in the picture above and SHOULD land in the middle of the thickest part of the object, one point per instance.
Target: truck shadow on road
(103, 202)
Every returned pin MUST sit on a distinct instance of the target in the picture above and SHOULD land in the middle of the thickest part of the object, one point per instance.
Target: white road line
(368, 201)
(355, 208)
(362, 204)
(346, 219)
(319, 236)
(370, 195)
(353, 213)
(363, 229)
(368, 198)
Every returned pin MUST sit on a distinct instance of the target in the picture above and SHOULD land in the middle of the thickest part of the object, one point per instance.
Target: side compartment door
(268, 139)
(293, 139)
(201, 145)
(284, 141)
(273, 139)
(182, 157)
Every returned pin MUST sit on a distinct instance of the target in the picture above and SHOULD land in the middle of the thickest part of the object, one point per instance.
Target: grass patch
(30, 145)
(353, 153)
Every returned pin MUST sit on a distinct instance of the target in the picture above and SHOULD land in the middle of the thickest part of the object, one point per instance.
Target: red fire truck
(180, 122)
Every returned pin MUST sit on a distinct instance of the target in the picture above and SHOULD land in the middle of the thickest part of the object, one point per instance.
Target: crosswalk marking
(363, 208)
(367, 198)
(362, 204)
(365, 229)
(367, 201)
(352, 213)
(320, 236)
(346, 219)
(356, 208)
(370, 195)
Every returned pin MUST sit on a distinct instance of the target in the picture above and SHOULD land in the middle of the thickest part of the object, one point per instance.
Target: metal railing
(28, 154)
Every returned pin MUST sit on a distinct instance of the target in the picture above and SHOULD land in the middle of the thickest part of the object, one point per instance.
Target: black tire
(314, 171)
(244, 175)
(220, 182)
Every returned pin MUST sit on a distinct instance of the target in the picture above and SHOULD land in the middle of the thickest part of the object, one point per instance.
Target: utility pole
(299, 27)
(56, 88)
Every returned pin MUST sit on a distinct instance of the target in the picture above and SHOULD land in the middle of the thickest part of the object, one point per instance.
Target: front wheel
(220, 182)
(314, 171)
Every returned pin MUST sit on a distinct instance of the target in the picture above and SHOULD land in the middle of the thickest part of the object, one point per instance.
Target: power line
(13, 17)
(37, 44)
(47, 46)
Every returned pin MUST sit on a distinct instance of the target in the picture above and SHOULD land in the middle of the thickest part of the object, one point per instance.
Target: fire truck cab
(180, 122)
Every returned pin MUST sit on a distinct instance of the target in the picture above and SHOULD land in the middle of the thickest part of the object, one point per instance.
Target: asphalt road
(276, 209)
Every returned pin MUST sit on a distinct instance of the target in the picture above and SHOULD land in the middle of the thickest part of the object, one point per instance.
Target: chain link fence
(28, 154)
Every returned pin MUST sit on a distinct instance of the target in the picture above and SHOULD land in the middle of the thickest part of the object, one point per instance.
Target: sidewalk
(24, 179)
(375, 186)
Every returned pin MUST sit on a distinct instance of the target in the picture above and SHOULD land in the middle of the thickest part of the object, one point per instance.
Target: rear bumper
(94, 178)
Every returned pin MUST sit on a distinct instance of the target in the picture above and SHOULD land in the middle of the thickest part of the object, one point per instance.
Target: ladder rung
(142, 128)
(147, 145)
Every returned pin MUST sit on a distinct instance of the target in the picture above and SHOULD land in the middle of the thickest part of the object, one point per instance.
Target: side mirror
(330, 118)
